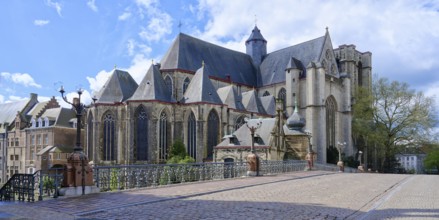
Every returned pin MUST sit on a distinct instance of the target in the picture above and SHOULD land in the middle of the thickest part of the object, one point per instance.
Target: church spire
(256, 46)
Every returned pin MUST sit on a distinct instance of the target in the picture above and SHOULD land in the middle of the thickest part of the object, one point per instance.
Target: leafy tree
(432, 160)
(401, 116)
(178, 154)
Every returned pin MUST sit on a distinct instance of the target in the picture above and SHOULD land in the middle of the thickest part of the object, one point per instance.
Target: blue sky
(46, 43)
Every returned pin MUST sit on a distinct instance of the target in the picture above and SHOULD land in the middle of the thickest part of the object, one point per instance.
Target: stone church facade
(201, 93)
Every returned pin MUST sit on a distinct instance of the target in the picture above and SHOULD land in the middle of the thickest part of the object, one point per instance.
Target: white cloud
(99, 80)
(2, 99)
(21, 79)
(41, 22)
(56, 5)
(92, 5)
(159, 22)
(124, 16)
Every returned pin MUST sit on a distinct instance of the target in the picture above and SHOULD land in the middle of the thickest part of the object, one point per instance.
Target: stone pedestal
(253, 164)
(340, 165)
(78, 173)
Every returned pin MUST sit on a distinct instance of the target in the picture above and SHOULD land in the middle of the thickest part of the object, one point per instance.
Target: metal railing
(27, 187)
(121, 177)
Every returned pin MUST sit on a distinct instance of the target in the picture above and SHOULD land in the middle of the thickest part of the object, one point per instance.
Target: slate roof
(243, 134)
(269, 104)
(252, 103)
(61, 116)
(200, 89)
(255, 35)
(186, 53)
(274, 64)
(118, 88)
(230, 97)
(9, 110)
(153, 87)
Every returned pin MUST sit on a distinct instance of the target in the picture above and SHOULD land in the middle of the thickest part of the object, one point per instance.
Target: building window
(46, 122)
(17, 143)
(39, 139)
(266, 93)
(46, 139)
(282, 95)
(330, 122)
(163, 137)
(40, 122)
(186, 84)
(192, 136)
(239, 122)
(141, 150)
(90, 137)
(109, 136)
(33, 122)
(213, 132)
(168, 82)
(32, 139)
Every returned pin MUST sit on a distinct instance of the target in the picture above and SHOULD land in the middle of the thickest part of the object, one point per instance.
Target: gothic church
(201, 93)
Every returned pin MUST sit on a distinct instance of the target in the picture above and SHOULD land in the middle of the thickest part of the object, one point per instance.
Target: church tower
(256, 46)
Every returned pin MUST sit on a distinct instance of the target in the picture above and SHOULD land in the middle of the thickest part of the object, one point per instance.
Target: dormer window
(33, 123)
(40, 123)
(46, 122)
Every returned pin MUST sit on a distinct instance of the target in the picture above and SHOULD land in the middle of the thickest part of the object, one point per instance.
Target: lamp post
(77, 161)
(252, 158)
(310, 154)
(340, 148)
(360, 167)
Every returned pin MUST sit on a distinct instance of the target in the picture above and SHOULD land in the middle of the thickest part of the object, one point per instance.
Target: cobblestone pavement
(299, 195)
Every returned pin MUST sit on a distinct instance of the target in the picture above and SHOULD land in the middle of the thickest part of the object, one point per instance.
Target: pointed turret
(153, 87)
(295, 121)
(118, 88)
(256, 46)
(201, 89)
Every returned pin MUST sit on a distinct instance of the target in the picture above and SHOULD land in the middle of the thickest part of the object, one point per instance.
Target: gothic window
(168, 82)
(186, 84)
(109, 138)
(325, 66)
(239, 122)
(141, 134)
(282, 95)
(212, 133)
(266, 93)
(331, 109)
(192, 136)
(90, 137)
(163, 136)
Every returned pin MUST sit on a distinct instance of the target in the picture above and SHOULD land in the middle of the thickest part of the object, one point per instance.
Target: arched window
(192, 136)
(141, 134)
(109, 136)
(90, 137)
(186, 84)
(331, 108)
(163, 136)
(239, 122)
(168, 82)
(212, 133)
(266, 93)
(283, 96)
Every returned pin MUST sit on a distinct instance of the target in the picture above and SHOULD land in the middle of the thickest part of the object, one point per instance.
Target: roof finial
(202, 63)
(256, 20)
(179, 26)
(115, 66)
(152, 61)
(326, 29)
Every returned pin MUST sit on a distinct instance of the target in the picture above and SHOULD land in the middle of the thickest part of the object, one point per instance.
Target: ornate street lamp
(310, 155)
(252, 158)
(78, 170)
(340, 148)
